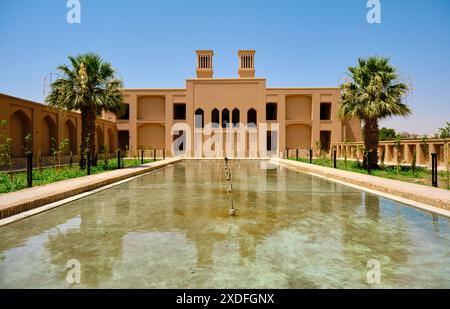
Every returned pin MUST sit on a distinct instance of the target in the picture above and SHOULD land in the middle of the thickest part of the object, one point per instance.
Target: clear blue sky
(299, 43)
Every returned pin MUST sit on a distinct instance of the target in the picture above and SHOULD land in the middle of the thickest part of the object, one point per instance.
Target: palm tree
(373, 92)
(87, 85)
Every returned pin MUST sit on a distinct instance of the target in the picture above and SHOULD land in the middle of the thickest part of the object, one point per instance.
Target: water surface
(172, 229)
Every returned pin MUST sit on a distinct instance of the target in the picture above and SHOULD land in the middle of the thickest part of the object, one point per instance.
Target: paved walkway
(23, 200)
(422, 194)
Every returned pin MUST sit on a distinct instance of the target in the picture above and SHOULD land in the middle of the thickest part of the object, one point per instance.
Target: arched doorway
(70, 133)
(20, 127)
(49, 134)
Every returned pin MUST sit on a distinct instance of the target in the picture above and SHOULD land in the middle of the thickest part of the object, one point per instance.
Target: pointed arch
(236, 117)
(252, 118)
(215, 118)
(48, 136)
(225, 118)
(199, 119)
(70, 133)
(20, 127)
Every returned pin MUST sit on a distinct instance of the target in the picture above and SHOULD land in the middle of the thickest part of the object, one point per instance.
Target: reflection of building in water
(247, 249)
(205, 252)
(207, 231)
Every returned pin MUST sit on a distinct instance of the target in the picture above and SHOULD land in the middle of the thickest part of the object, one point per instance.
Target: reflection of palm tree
(96, 249)
(382, 240)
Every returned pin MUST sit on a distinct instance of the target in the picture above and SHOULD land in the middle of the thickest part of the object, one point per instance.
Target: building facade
(47, 127)
(215, 110)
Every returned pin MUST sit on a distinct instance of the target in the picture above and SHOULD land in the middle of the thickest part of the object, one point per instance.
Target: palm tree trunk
(371, 140)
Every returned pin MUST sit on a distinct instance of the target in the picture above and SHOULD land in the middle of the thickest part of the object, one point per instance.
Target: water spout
(228, 178)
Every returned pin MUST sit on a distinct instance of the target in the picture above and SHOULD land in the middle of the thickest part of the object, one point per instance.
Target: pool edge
(92, 184)
(392, 193)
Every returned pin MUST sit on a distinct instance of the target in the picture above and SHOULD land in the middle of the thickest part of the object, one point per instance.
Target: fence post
(434, 172)
(334, 157)
(88, 165)
(296, 154)
(142, 156)
(154, 155)
(310, 155)
(29, 170)
(164, 154)
(118, 159)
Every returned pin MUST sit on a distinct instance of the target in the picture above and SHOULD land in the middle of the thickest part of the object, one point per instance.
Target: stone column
(133, 122)
(315, 117)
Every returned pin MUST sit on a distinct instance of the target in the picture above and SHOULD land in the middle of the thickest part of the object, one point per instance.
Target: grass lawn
(52, 174)
(422, 176)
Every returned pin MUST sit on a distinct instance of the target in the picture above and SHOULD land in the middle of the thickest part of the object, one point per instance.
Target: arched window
(199, 119)
(251, 118)
(215, 118)
(225, 118)
(236, 117)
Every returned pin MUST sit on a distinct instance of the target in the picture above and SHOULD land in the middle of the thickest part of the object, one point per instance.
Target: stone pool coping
(29, 199)
(420, 196)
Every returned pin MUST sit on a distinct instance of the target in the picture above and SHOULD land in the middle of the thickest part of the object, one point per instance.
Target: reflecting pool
(172, 229)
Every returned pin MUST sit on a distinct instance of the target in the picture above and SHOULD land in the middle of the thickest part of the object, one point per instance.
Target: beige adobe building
(303, 116)
(24, 117)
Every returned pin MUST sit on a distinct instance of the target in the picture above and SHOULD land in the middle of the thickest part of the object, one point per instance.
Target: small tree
(61, 148)
(28, 148)
(105, 156)
(398, 147)
(39, 160)
(53, 150)
(386, 134)
(413, 163)
(71, 159)
(319, 148)
(444, 133)
(359, 151)
(5, 150)
(425, 148)
(383, 156)
(347, 142)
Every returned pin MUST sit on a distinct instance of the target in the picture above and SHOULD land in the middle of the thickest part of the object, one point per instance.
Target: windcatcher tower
(205, 63)
(246, 63)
